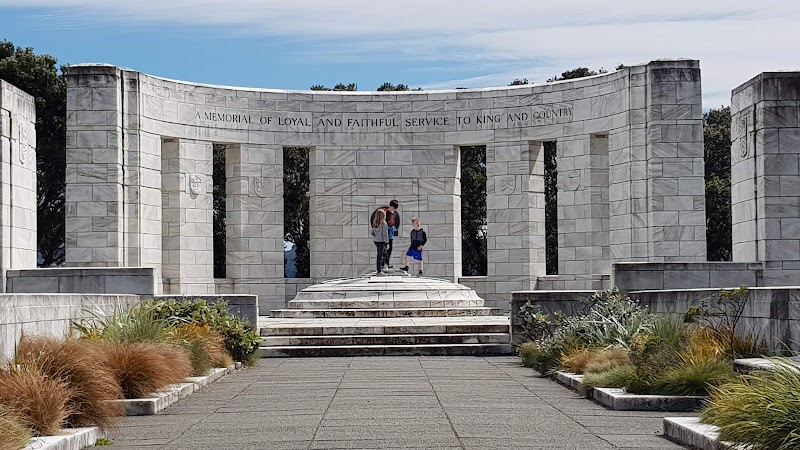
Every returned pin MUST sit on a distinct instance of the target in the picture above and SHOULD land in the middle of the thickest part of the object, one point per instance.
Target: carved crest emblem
(572, 180)
(24, 145)
(507, 184)
(259, 187)
(196, 183)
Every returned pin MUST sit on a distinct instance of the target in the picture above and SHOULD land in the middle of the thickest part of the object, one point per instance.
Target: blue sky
(432, 44)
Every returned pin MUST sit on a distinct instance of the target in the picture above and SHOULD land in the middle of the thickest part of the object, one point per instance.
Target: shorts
(415, 254)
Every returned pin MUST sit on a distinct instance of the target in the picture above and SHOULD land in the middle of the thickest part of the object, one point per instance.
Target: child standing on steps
(418, 241)
(380, 235)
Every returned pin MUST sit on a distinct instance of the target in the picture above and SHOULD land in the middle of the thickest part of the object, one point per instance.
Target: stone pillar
(583, 206)
(765, 175)
(142, 183)
(187, 211)
(657, 189)
(94, 192)
(515, 217)
(17, 179)
(254, 211)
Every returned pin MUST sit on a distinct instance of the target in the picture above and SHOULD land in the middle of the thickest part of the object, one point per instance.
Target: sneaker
(420, 273)
(380, 274)
(404, 268)
(391, 267)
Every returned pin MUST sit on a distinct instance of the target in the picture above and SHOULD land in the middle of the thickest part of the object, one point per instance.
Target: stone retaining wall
(50, 314)
(637, 276)
(85, 280)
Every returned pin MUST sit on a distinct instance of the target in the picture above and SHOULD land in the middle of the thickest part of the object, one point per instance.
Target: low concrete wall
(243, 306)
(567, 302)
(50, 314)
(572, 282)
(83, 280)
(487, 291)
(773, 312)
(629, 277)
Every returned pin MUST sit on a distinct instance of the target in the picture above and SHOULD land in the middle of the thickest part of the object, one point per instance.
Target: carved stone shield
(259, 187)
(196, 183)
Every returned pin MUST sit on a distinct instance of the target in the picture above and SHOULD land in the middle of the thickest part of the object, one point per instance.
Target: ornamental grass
(41, 403)
(141, 369)
(81, 365)
(761, 411)
(14, 435)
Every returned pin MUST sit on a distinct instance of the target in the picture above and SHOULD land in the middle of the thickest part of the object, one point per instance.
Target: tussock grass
(210, 340)
(575, 360)
(137, 324)
(13, 434)
(141, 369)
(607, 359)
(81, 365)
(762, 411)
(40, 402)
(617, 377)
(693, 379)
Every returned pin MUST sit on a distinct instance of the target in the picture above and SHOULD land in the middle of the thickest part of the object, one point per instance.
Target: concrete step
(387, 350)
(386, 339)
(380, 313)
(377, 303)
(379, 326)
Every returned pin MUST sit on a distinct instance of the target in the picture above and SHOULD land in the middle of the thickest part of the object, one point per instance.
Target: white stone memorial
(139, 178)
(17, 179)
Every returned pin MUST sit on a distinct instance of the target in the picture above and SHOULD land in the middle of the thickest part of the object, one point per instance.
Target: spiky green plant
(693, 379)
(617, 377)
(762, 410)
(137, 324)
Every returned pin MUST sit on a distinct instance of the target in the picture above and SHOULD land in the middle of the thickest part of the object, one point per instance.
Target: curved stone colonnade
(139, 188)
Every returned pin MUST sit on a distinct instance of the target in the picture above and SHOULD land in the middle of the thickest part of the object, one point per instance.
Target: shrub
(762, 411)
(617, 377)
(80, 365)
(144, 368)
(13, 434)
(201, 362)
(529, 352)
(696, 378)
(607, 359)
(40, 402)
(655, 351)
(240, 338)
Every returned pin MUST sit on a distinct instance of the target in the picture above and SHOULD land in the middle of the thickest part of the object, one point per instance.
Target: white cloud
(733, 39)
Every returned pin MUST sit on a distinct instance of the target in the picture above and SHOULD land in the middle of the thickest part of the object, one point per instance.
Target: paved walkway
(390, 402)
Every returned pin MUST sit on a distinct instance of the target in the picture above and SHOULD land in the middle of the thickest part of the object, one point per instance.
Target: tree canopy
(39, 76)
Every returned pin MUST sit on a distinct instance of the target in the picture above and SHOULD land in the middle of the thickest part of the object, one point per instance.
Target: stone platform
(388, 315)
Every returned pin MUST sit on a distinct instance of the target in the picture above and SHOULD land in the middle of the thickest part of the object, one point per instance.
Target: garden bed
(619, 400)
(172, 394)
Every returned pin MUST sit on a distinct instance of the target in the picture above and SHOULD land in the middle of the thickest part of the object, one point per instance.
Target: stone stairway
(389, 315)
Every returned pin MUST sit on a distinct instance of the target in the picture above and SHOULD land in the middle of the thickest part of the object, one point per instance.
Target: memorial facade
(139, 175)
(17, 179)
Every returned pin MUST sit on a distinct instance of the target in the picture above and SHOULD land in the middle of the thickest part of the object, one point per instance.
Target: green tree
(717, 137)
(39, 76)
(338, 87)
(220, 180)
(399, 87)
(473, 211)
(551, 208)
(518, 82)
(580, 72)
(296, 197)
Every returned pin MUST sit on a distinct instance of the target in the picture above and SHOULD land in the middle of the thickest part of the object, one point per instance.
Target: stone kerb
(369, 147)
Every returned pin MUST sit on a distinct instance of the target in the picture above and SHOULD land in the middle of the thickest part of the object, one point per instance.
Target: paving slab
(389, 402)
